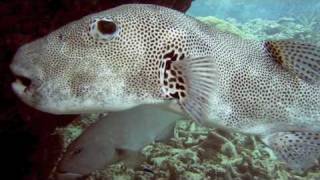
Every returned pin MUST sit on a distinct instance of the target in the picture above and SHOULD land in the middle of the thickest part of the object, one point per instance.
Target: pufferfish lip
(25, 92)
(22, 86)
(23, 82)
(19, 88)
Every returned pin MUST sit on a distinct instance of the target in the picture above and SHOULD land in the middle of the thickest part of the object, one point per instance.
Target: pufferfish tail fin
(302, 59)
(300, 150)
(191, 81)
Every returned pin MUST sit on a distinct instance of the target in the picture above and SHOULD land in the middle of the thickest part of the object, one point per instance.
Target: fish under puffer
(119, 136)
(146, 54)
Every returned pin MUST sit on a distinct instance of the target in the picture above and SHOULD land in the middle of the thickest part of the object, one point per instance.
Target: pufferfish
(138, 54)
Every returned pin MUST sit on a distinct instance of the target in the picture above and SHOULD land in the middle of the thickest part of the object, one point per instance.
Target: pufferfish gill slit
(188, 81)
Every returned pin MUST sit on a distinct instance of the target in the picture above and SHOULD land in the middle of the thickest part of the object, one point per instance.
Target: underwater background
(269, 19)
(32, 142)
(244, 10)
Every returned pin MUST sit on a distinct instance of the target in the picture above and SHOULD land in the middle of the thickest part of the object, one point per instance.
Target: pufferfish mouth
(23, 82)
(22, 86)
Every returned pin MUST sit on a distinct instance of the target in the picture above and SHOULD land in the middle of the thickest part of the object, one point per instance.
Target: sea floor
(197, 153)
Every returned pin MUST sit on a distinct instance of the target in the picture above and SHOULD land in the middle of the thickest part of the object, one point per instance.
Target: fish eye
(106, 27)
(103, 28)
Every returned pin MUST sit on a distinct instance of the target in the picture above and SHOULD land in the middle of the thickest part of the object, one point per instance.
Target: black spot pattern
(173, 80)
(299, 149)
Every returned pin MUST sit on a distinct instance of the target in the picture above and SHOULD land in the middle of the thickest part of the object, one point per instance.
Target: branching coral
(304, 28)
(213, 154)
(311, 23)
(222, 25)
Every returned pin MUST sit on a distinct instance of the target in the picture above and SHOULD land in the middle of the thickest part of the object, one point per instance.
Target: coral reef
(244, 10)
(302, 29)
(283, 28)
(201, 153)
(223, 25)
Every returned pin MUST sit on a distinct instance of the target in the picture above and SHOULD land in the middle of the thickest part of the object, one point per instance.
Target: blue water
(243, 10)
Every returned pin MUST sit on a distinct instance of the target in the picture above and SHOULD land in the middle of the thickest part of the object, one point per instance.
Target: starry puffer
(146, 54)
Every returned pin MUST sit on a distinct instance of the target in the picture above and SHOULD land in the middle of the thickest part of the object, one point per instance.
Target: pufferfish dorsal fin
(190, 81)
(300, 150)
(302, 59)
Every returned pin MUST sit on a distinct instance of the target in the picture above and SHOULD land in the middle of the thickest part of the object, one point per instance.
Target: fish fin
(198, 76)
(302, 59)
(300, 150)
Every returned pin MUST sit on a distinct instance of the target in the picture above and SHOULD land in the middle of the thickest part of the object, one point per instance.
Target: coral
(303, 28)
(202, 153)
(222, 25)
(311, 22)
(284, 28)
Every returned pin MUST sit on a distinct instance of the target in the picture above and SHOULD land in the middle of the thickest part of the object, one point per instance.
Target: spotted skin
(260, 88)
(300, 58)
(173, 81)
(299, 149)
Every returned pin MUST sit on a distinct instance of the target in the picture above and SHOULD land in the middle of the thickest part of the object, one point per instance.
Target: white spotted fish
(145, 54)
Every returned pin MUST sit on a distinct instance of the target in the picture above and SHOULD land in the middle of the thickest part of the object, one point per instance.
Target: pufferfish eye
(106, 27)
(103, 29)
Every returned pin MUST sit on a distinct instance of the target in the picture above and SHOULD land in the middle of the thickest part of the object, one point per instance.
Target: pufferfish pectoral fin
(300, 150)
(302, 59)
(199, 77)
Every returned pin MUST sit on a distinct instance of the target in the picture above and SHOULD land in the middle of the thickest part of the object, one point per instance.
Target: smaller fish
(118, 136)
